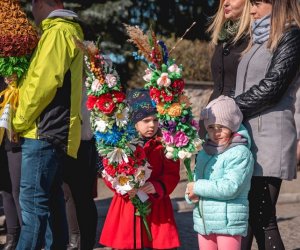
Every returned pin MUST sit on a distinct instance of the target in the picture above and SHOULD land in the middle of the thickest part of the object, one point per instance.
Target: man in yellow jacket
(48, 121)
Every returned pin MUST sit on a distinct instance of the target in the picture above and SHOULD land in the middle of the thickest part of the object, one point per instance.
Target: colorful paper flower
(111, 80)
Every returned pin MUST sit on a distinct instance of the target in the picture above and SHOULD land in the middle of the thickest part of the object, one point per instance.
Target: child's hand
(148, 188)
(132, 192)
(190, 192)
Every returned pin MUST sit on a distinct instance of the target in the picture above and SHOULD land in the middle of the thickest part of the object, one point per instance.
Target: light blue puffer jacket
(222, 183)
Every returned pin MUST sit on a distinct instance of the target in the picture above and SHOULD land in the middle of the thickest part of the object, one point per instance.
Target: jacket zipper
(259, 123)
(200, 204)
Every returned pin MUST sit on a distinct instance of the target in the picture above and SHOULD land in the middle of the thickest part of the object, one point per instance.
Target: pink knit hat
(222, 111)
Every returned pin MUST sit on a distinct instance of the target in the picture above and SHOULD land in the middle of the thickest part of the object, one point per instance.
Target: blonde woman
(229, 37)
(230, 29)
(265, 89)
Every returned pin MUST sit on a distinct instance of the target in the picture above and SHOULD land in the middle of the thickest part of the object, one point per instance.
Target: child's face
(219, 134)
(148, 126)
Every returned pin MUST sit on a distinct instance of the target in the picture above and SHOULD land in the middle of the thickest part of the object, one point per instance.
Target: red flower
(127, 167)
(139, 155)
(155, 94)
(91, 101)
(177, 86)
(105, 104)
(167, 97)
(109, 168)
(119, 96)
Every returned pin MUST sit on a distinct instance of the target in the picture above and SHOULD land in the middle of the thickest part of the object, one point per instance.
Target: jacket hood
(245, 134)
(51, 22)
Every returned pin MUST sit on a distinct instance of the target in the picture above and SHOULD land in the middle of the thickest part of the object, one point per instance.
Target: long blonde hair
(285, 13)
(219, 19)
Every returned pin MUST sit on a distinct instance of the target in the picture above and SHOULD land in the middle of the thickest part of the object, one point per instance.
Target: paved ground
(288, 211)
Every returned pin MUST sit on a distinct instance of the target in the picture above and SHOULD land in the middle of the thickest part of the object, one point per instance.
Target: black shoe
(11, 242)
(74, 242)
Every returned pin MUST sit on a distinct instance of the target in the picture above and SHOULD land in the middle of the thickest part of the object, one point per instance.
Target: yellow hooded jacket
(50, 91)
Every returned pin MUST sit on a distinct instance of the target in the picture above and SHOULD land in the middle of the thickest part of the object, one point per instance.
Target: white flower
(107, 176)
(111, 80)
(96, 85)
(148, 75)
(117, 155)
(198, 144)
(164, 80)
(169, 155)
(101, 125)
(184, 154)
(122, 184)
(174, 68)
(122, 117)
(170, 149)
(142, 174)
(87, 82)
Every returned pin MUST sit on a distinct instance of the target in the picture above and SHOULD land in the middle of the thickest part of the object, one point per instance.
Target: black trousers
(80, 175)
(263, 197)
(10, 165)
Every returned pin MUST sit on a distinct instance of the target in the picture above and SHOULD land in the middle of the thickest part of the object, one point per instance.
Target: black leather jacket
(284, 67)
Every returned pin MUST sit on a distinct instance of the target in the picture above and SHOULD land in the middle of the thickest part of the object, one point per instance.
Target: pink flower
(111, 80)
(168, 138)
(164, 80)
(180, 139)
(174, 68)
(148, 75)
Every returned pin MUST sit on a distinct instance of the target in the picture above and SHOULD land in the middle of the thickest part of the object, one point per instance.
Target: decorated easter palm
(125, 166)
(164, 81)
(17, 41)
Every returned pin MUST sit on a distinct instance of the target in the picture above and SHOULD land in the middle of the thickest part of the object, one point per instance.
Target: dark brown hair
(260, 1)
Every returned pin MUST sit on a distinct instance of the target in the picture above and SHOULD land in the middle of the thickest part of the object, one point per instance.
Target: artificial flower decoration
(164, 80)
(123, 157)
(18, 39)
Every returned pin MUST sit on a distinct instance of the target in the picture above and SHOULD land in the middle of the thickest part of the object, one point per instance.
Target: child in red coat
(122, 228)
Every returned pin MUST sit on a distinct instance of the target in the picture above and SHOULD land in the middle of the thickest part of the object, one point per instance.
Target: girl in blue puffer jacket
(222, 178)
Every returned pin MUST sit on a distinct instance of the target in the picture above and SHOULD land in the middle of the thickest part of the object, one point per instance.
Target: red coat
(122, 228)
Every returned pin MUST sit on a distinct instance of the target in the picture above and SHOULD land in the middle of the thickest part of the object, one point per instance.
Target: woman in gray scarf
(265, 93)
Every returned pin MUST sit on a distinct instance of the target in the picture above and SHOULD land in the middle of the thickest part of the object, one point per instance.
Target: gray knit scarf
(261, 30)
(212, 148)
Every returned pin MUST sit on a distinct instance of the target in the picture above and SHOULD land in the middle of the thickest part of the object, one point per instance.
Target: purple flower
(195, 124)
(180, 139)
(171, 126)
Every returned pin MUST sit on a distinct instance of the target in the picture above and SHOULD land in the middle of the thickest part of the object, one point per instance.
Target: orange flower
(175, 110)
(160, 108)
(185, 100)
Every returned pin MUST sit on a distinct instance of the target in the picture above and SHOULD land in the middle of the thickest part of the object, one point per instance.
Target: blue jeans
(40, 195)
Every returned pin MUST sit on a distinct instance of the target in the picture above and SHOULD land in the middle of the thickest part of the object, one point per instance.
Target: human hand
(190, 188)
(148, 188)
(132, 192)
(190, 192)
